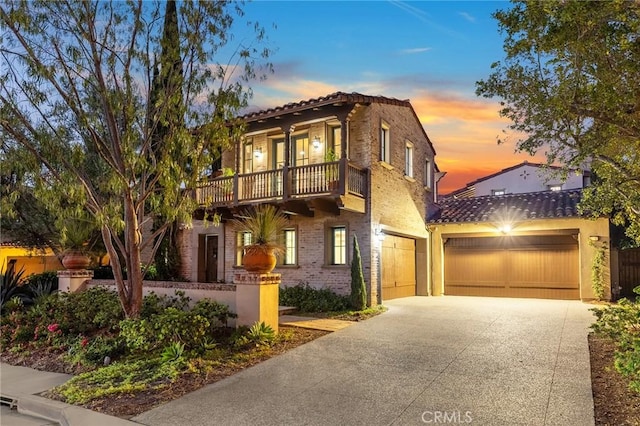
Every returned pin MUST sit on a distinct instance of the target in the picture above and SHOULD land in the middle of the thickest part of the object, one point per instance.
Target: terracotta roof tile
(333, 98)
(513, 207)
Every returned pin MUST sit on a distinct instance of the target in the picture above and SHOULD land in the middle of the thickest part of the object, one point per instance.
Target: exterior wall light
(316, 142)
(594, 237)
(258, 153)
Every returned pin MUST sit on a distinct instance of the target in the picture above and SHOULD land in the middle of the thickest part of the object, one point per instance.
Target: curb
(65, 414)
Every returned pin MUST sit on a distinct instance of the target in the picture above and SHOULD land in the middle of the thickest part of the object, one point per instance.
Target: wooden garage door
(398, 267)
(526, 266)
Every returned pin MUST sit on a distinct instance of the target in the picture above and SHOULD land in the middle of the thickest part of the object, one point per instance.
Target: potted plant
(75, 234)
(265, 223)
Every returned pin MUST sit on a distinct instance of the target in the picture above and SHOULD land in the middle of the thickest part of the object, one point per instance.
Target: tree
(358, 289)
(75, 85)
(569, 83)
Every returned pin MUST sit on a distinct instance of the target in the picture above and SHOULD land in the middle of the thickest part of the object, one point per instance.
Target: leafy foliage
(569, 84)
(309, 299)
(259, 334)
(118, 378)
(621, 322)
(11, 286)
(597, 272)
(265, 223)
(358, 289)
(80, 119)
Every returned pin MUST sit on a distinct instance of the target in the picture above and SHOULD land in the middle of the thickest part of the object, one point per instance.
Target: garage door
(524, 266)
(398, 267)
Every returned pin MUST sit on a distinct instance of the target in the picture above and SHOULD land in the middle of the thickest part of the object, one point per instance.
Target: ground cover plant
(621, 323)
(174, 347)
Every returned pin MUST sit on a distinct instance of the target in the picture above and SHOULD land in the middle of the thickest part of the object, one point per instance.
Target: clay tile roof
(332, 99)
(513, 207)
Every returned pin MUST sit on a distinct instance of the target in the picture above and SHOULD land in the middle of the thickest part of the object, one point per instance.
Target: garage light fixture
(505, 228)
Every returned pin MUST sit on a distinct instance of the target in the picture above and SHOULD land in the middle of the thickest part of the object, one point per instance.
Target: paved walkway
(324, 324)
(433, 360)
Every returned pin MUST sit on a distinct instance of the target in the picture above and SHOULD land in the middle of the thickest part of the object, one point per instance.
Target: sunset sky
(431, 53)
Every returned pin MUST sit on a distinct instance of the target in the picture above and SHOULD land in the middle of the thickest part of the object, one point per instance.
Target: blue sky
(429, 52)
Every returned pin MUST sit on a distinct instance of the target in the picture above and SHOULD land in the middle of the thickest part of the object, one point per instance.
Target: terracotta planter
(75, 260)
(259, 261)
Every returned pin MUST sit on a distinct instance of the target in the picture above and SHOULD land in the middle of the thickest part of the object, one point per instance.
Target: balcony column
(286, 181)
(344, 137)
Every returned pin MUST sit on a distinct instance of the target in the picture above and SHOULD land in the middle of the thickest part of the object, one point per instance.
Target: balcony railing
(335, 178)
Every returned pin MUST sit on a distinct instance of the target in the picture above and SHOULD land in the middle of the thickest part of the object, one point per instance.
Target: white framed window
(247, 160)
(408, 159)
(555, 187)
(428, 174)
(498, 191)
(334, 147)
(337, 245)
(290, 256)
(385, 143)
(301, 145)
(242, 239)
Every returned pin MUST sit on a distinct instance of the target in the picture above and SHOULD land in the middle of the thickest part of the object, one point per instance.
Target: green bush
(358, 288)
(621, 322)
(152, 304)
(258, 334)
(161, 330)
(93, 351)
(216, 313)
(308, 299)
(11, 286)
(42, 284)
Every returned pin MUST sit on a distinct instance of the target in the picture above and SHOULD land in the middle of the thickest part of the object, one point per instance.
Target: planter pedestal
(72, 280)
(257, 298)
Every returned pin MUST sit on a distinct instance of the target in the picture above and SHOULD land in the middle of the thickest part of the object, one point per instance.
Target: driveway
(428, 360)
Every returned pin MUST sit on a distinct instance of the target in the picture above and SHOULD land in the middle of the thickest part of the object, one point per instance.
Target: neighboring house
(517, 233)
(522, 178)
(32, 261)
(340, 166)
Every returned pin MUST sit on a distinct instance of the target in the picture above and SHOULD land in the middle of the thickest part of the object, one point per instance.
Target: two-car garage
(542, 266)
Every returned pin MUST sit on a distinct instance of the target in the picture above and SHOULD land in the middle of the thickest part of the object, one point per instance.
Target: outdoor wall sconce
(258, 153)
(594, 237)
(379, 235)
(316, 142)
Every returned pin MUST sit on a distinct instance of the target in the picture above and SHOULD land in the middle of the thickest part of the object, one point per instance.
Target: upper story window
(498, 191)
(428, 174)
(247, 157)
(555, 187)
(385, 143)
(301, 146)
(334, 147)
(278, 153)
(408, 159)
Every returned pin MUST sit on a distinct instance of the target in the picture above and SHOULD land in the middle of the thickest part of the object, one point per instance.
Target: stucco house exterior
(522, 178)
(502, 236)
(339, 166)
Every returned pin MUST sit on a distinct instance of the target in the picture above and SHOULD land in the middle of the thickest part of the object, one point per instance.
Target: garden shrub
(152, 304)
(161, 330)
(259, 334)
(621, 322)
(11, 286)
(358, 288)
(41, 285)
(216, 313)
(308, 299)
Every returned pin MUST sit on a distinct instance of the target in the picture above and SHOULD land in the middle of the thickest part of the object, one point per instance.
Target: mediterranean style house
(340, 166)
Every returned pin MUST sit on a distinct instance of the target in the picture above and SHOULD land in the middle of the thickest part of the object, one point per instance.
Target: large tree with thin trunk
(75, 101)
(570, 83)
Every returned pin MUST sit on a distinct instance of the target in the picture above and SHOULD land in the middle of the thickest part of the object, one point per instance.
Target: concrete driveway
(428, 360)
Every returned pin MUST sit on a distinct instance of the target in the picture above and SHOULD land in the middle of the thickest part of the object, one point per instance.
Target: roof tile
(512, 207)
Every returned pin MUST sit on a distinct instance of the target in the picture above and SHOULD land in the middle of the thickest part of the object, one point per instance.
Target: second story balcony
(300, 189)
